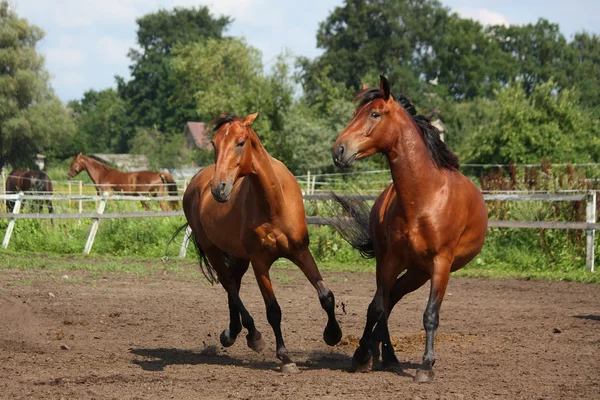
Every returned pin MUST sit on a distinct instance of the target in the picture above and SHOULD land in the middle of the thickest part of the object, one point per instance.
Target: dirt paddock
(125, 337)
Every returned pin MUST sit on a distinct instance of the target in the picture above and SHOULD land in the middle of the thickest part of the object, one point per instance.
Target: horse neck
(264, 178)
(415, 175)
(95, 169)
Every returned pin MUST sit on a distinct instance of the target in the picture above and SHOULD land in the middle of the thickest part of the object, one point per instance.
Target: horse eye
(375, 115)
(240, 144)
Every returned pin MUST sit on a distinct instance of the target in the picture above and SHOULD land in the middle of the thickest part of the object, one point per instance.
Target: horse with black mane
(33, 182)
(429, 222)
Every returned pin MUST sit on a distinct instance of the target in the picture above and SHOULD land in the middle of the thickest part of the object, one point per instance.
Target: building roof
(199, 133)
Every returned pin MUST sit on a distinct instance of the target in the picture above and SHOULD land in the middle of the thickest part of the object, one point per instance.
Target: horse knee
(376, 309)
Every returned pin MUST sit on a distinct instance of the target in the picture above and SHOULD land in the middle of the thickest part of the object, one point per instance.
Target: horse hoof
(290, 368)
(257, 345)
(332, 336)
(362, 367)
(226, 339)
(423, 376)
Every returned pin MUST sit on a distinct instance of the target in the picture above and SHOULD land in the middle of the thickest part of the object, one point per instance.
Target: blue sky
(87, 41)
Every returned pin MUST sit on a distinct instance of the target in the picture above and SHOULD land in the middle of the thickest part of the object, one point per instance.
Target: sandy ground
(125, 337)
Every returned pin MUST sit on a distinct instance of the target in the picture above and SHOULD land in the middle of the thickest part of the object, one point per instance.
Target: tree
(585, 74)
(226, 76)
(548, 124)
(162, 151)
(540, 53)
(149, 93)
(32, 119)
(103, 125)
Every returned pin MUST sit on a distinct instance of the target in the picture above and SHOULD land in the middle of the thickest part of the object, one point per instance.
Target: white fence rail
(589, 225)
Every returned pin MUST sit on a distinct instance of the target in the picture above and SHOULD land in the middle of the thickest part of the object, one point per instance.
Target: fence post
(184, 244)
(70, 194)
(3, 181)
(308, 182)
(590, 235)
(11, 224)
(94, 230)
(314, 182)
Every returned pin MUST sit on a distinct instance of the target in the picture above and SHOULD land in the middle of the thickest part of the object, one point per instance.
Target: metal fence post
(186, 240)
(590, 218)
(94, 230)
(11, 224)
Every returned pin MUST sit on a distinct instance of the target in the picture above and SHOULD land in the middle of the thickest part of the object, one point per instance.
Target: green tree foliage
(548, 124)
(162, 151)
(540, 53)
(32, 119)
(149, 93)
(103, 124)
(226, 76)
(586, 69)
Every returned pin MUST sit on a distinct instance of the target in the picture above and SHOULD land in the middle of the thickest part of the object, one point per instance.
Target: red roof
(199, 133)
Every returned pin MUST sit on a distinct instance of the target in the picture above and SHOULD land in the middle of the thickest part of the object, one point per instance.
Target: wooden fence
(589, 225)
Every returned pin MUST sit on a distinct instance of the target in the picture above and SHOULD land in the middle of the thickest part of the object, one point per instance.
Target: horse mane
(222, 120)
(438, 150)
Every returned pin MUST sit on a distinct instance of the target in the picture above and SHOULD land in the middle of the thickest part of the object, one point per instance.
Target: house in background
(197, 136)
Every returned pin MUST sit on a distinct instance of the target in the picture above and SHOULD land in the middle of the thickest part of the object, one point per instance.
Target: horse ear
(364, 86)
(384, 86)
(249, 120)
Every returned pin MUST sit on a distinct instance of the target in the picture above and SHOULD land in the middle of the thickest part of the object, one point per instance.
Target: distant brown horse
(143, 183)
(429, 222)
(248, 208)
(37, 182)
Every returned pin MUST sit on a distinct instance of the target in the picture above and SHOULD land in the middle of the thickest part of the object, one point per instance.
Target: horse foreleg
(261, 271)
(229, 335)
(412, 280)
(145, 204)
(439, 283)
(305, 261)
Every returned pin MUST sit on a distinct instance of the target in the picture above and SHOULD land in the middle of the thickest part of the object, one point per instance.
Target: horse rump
(168, 180)
(352, 223)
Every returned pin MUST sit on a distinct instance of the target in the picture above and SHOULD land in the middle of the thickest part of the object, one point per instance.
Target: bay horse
(143, 183)
(247, 208)
(429, 222)
(37, 181)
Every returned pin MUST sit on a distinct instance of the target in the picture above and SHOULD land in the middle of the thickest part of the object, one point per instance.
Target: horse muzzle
(221, 191)
(342, 157)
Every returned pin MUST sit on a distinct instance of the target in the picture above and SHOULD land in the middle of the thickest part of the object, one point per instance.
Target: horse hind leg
(439, 283)
(238, 268)
(217, 259)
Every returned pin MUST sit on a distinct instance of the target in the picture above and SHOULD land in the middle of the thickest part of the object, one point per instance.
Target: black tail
(207, 269)
(353, 224)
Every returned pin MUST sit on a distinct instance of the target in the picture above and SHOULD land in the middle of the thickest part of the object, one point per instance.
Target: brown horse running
(36, 181)
(429, 222)
(248, 208)
(143, 183)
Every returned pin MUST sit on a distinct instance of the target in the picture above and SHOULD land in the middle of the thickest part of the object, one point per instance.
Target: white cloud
(113, 50)
(61, 57)
(484, 16)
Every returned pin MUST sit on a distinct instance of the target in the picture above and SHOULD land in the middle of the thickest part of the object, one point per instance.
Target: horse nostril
(342, 148)
(222, 188)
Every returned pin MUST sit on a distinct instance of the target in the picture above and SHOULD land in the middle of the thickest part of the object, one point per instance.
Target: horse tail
(168, 180)
(207, 269)
(353, 224)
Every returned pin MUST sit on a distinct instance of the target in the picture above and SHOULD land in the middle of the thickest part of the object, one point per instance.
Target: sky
(87, 41)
